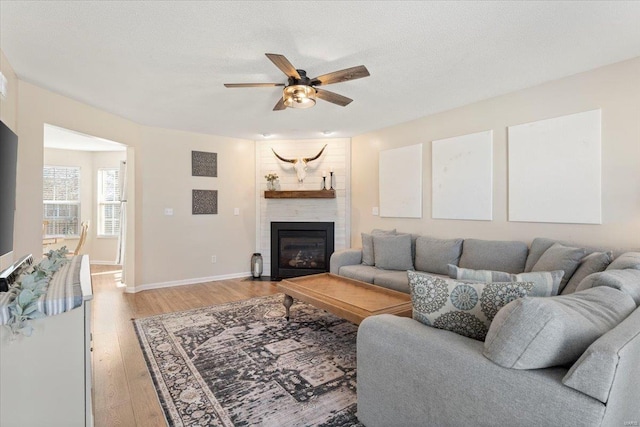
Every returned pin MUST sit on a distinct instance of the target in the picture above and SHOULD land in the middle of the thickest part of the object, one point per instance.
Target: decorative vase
(271, 185)
(256, 265)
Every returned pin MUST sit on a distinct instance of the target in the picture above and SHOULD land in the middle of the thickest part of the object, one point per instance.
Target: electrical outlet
(375, 211)
(214, 259)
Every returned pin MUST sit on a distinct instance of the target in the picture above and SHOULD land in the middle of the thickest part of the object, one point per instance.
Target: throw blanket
(63, 292)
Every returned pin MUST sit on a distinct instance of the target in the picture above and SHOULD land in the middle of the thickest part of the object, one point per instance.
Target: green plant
(29, 287)
(271, 176)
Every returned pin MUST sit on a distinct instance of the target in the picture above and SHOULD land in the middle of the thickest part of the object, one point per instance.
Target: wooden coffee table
(347, 298)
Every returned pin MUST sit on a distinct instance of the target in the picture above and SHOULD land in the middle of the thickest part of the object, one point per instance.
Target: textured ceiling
(164, 63)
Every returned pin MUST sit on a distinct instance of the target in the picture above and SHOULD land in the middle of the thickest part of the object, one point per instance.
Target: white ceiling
(164, 63)
(64, 139)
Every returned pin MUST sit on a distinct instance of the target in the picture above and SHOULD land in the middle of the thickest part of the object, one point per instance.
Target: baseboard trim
(98, 262)
(194, 281)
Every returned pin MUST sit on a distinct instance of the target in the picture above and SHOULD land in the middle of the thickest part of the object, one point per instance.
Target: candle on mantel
(324, 174)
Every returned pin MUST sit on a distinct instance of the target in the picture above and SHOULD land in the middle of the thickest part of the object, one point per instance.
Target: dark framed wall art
(204, 202)
(204, 164)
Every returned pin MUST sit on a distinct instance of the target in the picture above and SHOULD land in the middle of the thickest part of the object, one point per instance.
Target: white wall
(37, 107)
(336, 156)
(168, 250)
(615, 89)
(178, 249)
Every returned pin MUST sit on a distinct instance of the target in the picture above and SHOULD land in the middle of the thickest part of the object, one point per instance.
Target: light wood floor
(124, 394)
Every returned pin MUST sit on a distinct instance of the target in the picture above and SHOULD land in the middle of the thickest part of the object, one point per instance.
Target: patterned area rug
(242, 364)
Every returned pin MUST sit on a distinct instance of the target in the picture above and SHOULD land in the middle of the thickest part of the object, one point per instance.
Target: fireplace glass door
(303, 252)
(300, 248)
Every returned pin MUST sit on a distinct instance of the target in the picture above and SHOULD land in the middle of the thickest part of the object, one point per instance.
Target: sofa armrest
(410, 374)
(608, 371)
(345, 257)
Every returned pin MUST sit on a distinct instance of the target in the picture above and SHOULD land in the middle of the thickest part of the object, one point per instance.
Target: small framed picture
(204, 202)
(204, 164)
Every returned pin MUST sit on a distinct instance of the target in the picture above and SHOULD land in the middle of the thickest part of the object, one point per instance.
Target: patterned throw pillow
(466, 308)
(545, 283)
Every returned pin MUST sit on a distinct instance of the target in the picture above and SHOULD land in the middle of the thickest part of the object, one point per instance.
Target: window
(61, 197)
(108, 202)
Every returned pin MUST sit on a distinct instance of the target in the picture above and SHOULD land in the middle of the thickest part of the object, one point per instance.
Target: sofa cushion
(541, 244)
(560, 257)
(534, 333)
(466, 308)
(364, 273)
(538, 247)
(393, 252)
(545, 283)
(396, 280)
(625, 261)
(593, 263)
(367, 244)
(627, 281)
(433, 255)
(509, 256)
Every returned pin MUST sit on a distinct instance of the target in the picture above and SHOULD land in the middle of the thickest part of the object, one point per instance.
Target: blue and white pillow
(545, 283)
(466, 308)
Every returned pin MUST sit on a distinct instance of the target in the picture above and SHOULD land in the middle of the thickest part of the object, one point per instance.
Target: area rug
(243, 364)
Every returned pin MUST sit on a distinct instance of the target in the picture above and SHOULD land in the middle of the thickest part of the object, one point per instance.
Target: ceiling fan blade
(341, 76)
(253, 84)
(332, 97)
(283, 63)
(280, 105)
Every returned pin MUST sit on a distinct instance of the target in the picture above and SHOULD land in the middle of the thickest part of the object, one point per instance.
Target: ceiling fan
(301, 91)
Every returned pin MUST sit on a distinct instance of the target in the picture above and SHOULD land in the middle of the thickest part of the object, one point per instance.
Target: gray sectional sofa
(410, 374)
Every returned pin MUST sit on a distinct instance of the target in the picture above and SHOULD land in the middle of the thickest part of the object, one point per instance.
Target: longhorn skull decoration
(300, 164)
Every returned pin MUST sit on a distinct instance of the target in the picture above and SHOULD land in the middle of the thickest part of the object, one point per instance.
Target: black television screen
(8, 165)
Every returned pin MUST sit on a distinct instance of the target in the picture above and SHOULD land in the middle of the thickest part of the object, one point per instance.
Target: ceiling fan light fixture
(299, 96)
(300, 91)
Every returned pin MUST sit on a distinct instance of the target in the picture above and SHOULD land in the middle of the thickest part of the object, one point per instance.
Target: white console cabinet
(45, 379)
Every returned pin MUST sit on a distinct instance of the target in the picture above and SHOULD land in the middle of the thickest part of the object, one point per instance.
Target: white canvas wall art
(400, 176)
(555, 170)
(462, 177)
